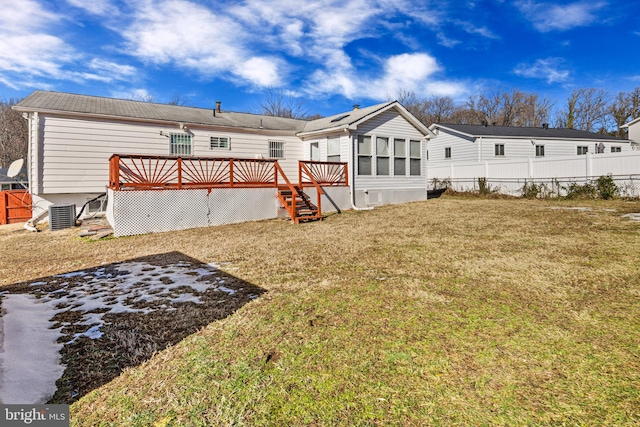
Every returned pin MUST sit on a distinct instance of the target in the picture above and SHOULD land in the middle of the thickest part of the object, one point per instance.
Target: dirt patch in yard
(118, 315)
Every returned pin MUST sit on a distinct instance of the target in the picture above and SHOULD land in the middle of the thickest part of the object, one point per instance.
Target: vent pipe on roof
(545, 126)
(218, 106)
(356, 106)
(485, 123)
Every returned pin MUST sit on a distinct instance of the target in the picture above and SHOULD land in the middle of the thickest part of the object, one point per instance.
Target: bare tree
(439, 109)
(586, 109)
(13, 133)
(279, 104)
(501, 108)
(412, 103)
(179, 100)
(624, 108)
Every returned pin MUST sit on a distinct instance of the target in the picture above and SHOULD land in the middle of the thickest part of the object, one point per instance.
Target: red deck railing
(142, 172)
(322, 173)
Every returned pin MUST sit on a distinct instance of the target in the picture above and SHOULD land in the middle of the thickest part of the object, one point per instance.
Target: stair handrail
(294, 191)
(303, 167)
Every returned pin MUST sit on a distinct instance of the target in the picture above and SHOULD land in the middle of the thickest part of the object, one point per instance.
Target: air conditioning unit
(62, 216)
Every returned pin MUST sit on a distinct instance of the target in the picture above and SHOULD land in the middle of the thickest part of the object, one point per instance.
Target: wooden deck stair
(300, 210)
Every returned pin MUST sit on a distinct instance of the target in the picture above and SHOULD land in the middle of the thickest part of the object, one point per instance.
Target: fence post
(589, 168)
(530, 168)
(231, 173)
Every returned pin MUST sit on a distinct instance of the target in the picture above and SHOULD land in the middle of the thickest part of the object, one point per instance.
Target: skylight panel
(337, 119)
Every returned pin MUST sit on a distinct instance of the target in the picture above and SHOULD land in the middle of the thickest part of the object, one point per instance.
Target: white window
(583, 149)
(447, 152)
(333, 149)
(382, 156)
(415, 161)
(399, 157)
(539, 150)
(364, 155)
(219, 142)
(499, 149)
(180, 144)
(314, 154)
(5, 187)
(616, 149)
(276, 149)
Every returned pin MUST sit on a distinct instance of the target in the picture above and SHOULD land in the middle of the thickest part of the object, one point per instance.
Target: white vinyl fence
(555, 174)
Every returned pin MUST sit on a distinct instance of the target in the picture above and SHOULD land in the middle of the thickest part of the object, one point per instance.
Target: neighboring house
(467, 143)
(15, 183)
(634, 131)
(72, 137)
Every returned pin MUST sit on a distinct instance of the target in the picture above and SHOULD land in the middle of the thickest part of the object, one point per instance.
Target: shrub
(484, 187)
(607, 188)
(584, 191)
(531, 191)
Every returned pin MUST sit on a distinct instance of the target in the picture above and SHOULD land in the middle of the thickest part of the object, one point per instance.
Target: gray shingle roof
(343, 119)
(109, 107)
(528, 132)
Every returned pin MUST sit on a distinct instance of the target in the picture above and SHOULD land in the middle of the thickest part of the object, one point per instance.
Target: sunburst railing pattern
(128, 172)
(323, 173)
(162, 172)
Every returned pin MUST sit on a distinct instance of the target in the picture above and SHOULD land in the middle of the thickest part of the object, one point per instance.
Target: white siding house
(468, 143)
(634, 132)
(72, 137)
(385, 147)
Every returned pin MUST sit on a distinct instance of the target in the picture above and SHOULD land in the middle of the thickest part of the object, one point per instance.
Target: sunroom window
(364, 155)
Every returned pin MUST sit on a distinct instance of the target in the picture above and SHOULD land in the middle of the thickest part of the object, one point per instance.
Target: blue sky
(331, 53)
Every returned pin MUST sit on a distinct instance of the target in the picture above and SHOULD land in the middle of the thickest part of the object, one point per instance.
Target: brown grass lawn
(449, 312)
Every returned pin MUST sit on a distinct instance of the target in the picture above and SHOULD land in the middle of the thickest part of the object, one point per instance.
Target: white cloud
(100, 8)
(26, 50)
(549, 69)
(554, 17)
(199, 39)
(413, 72)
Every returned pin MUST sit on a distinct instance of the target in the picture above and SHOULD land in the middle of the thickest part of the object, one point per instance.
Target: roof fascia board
(327, 130)
(550, 138)
(456, 131)
(632, 122)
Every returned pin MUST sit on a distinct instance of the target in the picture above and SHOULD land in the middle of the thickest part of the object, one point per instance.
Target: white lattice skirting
(153, 211)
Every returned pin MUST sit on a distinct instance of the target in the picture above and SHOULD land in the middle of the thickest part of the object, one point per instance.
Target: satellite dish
(14, 168)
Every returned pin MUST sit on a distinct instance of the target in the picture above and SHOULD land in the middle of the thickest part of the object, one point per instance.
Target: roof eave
(177, 123)
(326, 130)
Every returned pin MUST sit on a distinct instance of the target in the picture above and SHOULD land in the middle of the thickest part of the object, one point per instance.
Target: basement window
(276, 149)
(219, 142)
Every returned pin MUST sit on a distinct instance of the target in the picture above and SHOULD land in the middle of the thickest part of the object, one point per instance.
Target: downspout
(353, 176)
